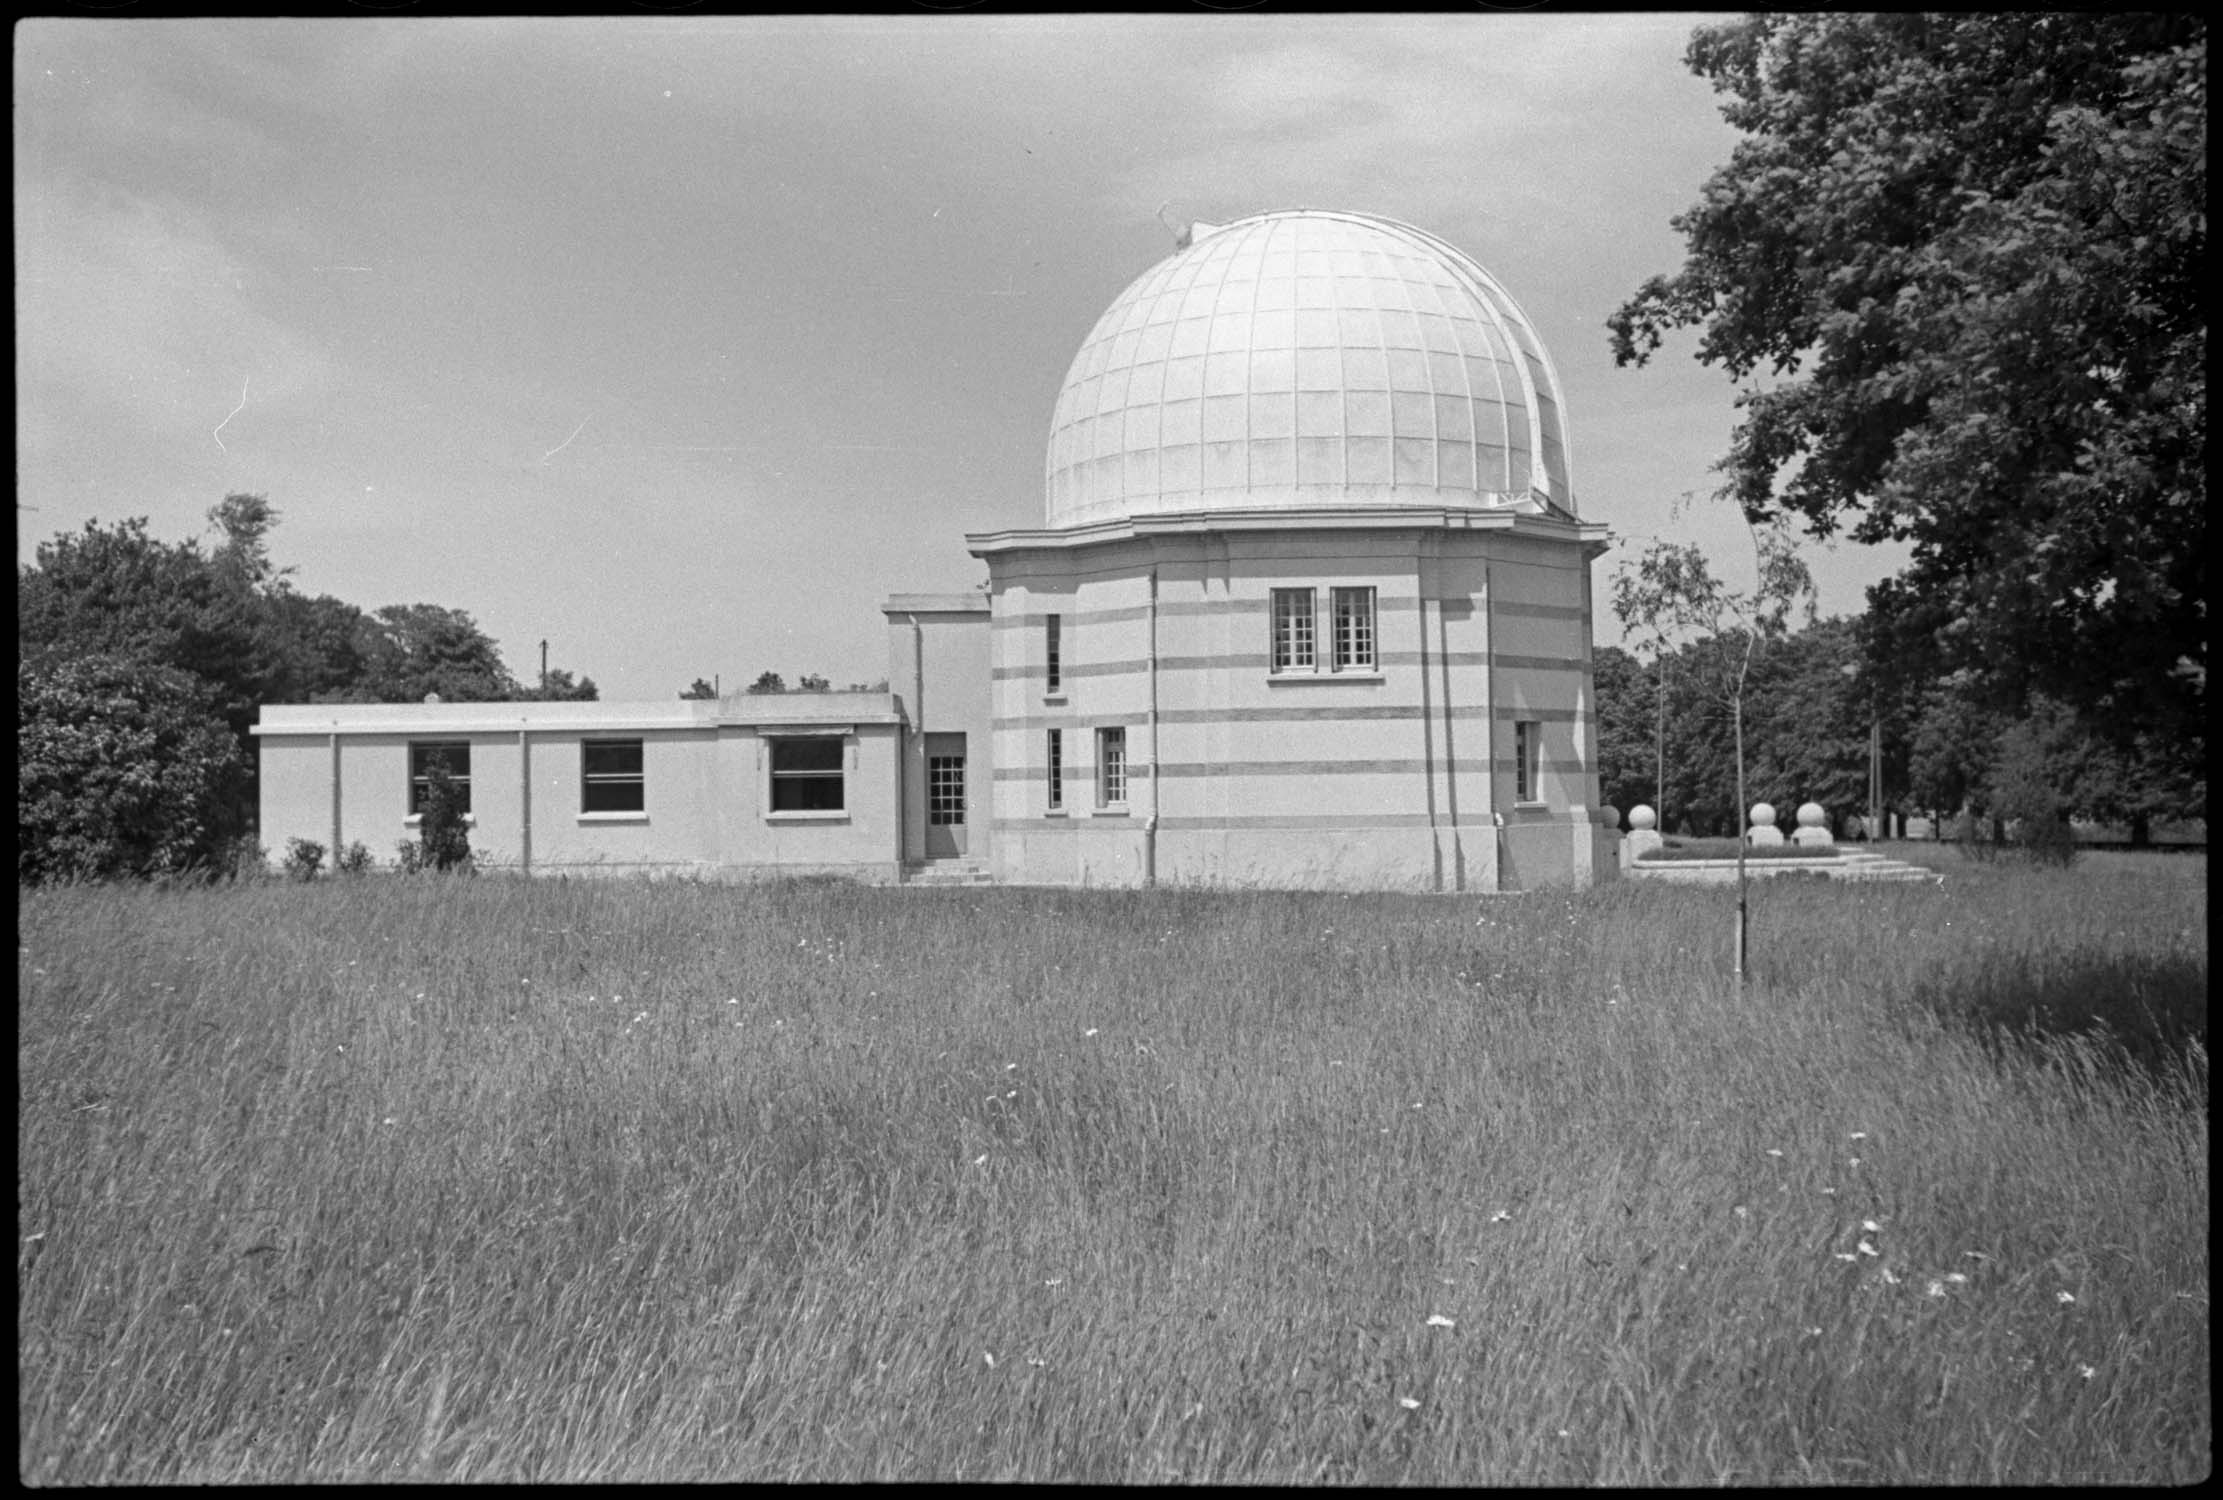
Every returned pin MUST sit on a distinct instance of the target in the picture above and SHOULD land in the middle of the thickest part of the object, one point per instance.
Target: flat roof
(935, 604)
(737, 710)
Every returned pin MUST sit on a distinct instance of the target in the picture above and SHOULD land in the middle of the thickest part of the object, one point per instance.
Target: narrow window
(806, 775)
(454, 754)
(1293, 625)
(1111, 767)
(1057, 767)
(1053, 647)
(611, 777)
(1526, 735)
(1354, 630)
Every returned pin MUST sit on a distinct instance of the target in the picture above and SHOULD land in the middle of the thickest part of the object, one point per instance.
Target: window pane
(1111, 766)
(1053, 631)
(1057, 768)
(798, 756)
(945, 790)
(620, 795)
(1293, 626)
(611, 758)
(806, 794)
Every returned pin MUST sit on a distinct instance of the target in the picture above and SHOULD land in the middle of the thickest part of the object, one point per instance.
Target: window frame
(413, 810)
(591, 780)
(1053, 655)
(1054, 756)
(1528, 763)
(1304, 622)
(937, 803)
(1111, 770)
(776, 778)
(1370, 661)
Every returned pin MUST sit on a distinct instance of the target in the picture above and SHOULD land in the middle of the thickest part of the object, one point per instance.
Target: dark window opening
(612, 777)
(806, 775)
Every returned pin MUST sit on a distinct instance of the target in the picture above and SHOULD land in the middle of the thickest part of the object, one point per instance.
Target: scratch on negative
(218, 434)
(552, 452)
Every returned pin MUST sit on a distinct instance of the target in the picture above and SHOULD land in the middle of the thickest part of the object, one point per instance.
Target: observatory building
(1310, 606)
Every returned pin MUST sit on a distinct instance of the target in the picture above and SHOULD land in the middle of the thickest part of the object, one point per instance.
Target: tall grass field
(489, 1179)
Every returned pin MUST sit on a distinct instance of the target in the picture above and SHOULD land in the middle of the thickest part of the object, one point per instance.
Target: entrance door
(945, 796)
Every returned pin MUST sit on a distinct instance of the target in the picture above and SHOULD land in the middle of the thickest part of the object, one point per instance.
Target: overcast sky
(682, 342)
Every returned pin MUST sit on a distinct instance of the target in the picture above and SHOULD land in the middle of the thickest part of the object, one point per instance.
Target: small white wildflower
(1935, 1289)
(1438, 1320)
(1739, 1211)
(1408, 1403)
(2086, 1371)
(1037, 1363)
(1090, 1032)
(1055, 1281)
(1956, 1278)
(1858, 1135)
(1814, 1333)
(2064, 1298)
(1846, 1255)
(1867, 1249)
(1855, 1161)
(990, 1358)
(1887, 1275)
(981, 1160)
(1501, 1216)
(1871, 1226)
(1829, 1192)
(1773, 1152)
(1974, 1255)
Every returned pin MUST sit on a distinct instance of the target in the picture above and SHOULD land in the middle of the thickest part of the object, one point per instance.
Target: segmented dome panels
(1308, 359)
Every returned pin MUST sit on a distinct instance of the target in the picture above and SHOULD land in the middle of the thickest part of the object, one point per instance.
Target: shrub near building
(123, 768)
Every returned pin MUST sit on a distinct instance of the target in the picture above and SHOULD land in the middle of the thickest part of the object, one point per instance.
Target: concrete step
(1847, 865)
(947, 872)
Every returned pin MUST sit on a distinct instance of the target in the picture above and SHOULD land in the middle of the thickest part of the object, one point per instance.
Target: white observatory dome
(1302, 359)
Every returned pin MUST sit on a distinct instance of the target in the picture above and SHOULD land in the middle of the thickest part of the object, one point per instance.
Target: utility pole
(544, 664)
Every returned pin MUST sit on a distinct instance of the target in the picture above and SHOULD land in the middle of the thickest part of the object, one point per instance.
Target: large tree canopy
(1955, 264)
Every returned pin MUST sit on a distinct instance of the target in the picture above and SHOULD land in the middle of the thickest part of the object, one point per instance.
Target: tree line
(141, 666)
(1816, 709)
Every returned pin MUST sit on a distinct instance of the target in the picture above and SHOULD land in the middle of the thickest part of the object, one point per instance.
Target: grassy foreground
(496, 1180)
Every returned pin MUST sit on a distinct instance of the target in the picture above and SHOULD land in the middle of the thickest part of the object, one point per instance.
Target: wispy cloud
(130, 305)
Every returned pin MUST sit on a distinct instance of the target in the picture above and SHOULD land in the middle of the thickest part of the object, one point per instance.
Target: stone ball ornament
(1810, 815)
(1642, 817)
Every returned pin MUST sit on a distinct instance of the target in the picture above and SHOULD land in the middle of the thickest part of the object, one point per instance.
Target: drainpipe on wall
(524, 802)
(1489, 721)
(1150, 824)
(918, 738)
(336, 847)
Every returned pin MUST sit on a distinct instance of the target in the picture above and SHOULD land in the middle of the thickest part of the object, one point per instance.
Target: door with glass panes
(946, 814)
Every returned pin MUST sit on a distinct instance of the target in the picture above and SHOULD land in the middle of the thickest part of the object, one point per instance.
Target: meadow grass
(488, 1179)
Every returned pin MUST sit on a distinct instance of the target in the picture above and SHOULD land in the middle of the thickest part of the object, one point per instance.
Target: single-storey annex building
(1310, 606)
